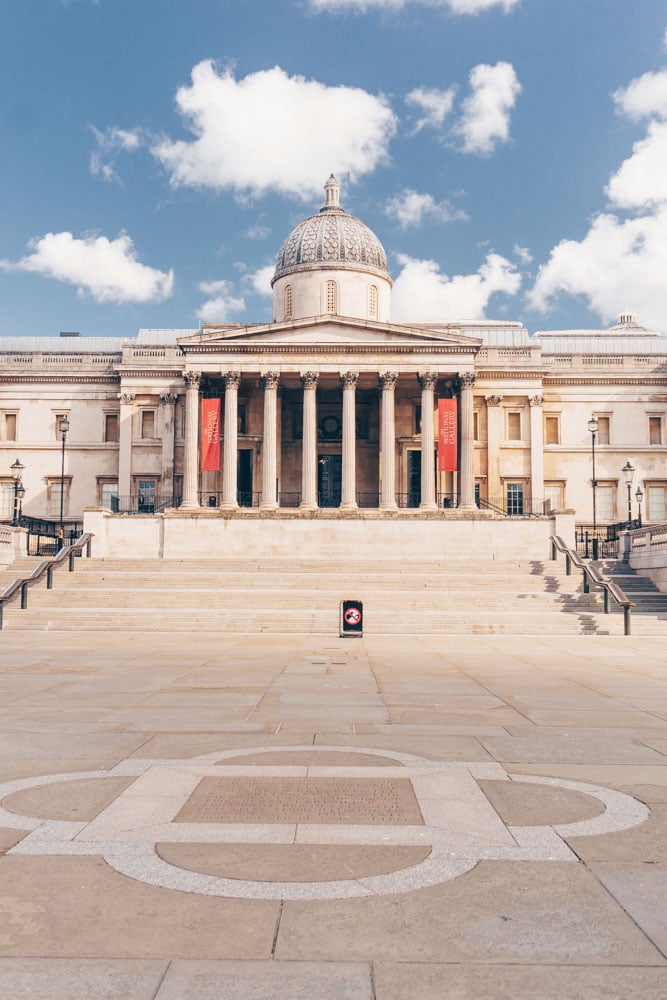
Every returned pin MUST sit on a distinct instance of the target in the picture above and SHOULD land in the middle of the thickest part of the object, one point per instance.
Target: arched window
(289, 302)
(331, 297)
(373, 302)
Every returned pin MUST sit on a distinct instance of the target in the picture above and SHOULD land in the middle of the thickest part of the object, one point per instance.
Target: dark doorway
(244, 478)
(329, 473)
(414, 478)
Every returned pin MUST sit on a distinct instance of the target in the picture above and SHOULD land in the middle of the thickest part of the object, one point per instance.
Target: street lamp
(63, 427)
(639, 495)
(19, 490)
(593, 429)
(628, 471)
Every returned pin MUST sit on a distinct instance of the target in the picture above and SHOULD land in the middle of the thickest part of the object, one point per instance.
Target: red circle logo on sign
(352, 616)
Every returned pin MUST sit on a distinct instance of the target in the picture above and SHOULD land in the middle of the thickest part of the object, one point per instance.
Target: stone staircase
(302, 596)
(649, 601)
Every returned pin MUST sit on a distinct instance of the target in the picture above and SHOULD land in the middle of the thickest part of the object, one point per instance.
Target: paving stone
(641, 889)
(79, 979)
(266, 981)
(646, 842)
(437, 747)
(520, 804)
(543, 748)
(68, 800)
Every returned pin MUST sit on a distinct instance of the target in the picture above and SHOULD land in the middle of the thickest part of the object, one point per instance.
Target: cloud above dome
(308, 127)
(453, 6)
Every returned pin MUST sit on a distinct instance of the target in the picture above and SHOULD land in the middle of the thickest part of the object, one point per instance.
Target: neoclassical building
(333, 410)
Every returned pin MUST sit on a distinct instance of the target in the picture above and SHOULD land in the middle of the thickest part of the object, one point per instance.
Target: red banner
(447, 450)
(210, 435)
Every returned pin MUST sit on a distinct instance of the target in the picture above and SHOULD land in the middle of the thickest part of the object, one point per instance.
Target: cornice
(638, 380)
(329, 349)
(176, 372)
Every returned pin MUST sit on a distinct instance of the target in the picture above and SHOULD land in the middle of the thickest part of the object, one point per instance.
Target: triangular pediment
(327, 331)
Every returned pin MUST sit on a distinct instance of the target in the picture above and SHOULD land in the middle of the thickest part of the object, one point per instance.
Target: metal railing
(139, 503)
(244, 498)
(21, 586)
(592, 578)
(601, 541)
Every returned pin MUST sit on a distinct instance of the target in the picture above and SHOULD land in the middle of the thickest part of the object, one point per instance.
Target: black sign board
(351, 618)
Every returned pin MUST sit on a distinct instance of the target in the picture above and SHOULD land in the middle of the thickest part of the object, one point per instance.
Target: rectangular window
(605, 501)
(242, 418)
(146, 496)
(656, 502)
(109, 494)
(6, 499)
(475, 425)
(418, 419)
(515, 498)
(513, 426)
(8, 427)
(148, 423)
(552, 430)
(111, 427)
(53, 492)
(553, 496)
(655, 430)
(603, 430)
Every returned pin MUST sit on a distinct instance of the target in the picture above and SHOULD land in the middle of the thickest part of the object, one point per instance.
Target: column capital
(388, 380)
(126, 398)
(467, 380)
(270, 379)
(192, 379)
(493, 400)
(309, 380)
(169, 398)
(232, 380)
(349, 379)
(427, 380)
(536, 400)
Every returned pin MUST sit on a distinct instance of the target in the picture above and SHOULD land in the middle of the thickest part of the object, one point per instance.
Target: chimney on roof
(627, 319)
(69, 333)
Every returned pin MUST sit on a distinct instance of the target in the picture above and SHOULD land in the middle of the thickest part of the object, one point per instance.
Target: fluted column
(493, 439)
(125, 444)
(428, 382)
(467, 382)
(536, 454)
(168, 403)
(191, 453)
(309, 442)
(269, 500)
(230, 454)
(388, 382)
(349, 476)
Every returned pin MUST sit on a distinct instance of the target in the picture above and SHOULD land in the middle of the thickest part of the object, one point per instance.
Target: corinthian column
(168, 401)
(125, 445)
(388, 381)
(493, 439)
(309, 442)
(428, 443)
(269, 441)
(191, 452)
(467, 382)
(536, 454)
(230, 455)
(349, 483)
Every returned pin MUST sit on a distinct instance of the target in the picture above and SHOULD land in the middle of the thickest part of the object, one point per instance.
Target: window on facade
(289, 302)
(110, 426)
(418, 419)
(655, 430)
(53, 493)
(513, 426)
(605, 500)
(515, 498)
(553, 496)
(475, 425)
(179, 419)
(146, 490)
(148, 423)
(8, 426)
(6, 499)
(58, 418)
(603, 430)
(656, 501)
(552, 430)
(108, 490)
(331, 297)
(242, 418)
(373, 302)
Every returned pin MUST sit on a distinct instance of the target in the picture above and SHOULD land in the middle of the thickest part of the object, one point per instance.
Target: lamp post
(63, 427)
(628, 471)
(19, 491)
(593, 429)
(639, 495)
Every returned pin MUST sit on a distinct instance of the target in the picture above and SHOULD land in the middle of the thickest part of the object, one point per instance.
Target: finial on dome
(332, 192)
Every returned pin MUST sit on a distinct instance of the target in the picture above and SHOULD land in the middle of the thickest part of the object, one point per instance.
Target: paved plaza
(218, 817)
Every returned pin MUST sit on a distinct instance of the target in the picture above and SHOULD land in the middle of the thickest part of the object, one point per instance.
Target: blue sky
(510, 154)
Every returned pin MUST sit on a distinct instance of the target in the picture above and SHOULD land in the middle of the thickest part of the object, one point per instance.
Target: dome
(331, 239)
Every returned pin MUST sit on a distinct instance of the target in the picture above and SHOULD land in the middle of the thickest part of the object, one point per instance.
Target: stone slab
(68, 800)
(646, 842)
(521, 804)
(79, 979)
(543, 748)
(641, 889)
(266, 981)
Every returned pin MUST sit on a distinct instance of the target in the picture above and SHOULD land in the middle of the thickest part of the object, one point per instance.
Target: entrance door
(244, 478)
(329, 475)
(414, 478)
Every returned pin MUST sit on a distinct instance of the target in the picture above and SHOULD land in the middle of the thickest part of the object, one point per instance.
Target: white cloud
(258, 232)
(269, 131)
(222, 305)
(108, 270)
(410, 208)
(641, 180)
(523, 254)
(109, 143)
(436, 105)
(485, 117)
(422, 293)
(620, 264)
(644, 97)
(260, 280)
(454, 6)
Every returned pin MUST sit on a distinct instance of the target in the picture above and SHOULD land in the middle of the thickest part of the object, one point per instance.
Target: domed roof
(332, 238)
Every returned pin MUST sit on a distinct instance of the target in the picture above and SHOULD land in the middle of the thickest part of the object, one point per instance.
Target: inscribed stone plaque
(366, 801)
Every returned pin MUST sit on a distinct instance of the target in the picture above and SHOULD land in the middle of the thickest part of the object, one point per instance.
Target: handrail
(591, 575)
(46, 567)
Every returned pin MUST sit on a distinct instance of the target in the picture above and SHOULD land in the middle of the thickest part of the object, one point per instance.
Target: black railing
(22, 585)
(140, 503)
(244, 498)
(44, 535)
(592, 578)
(602, 541)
